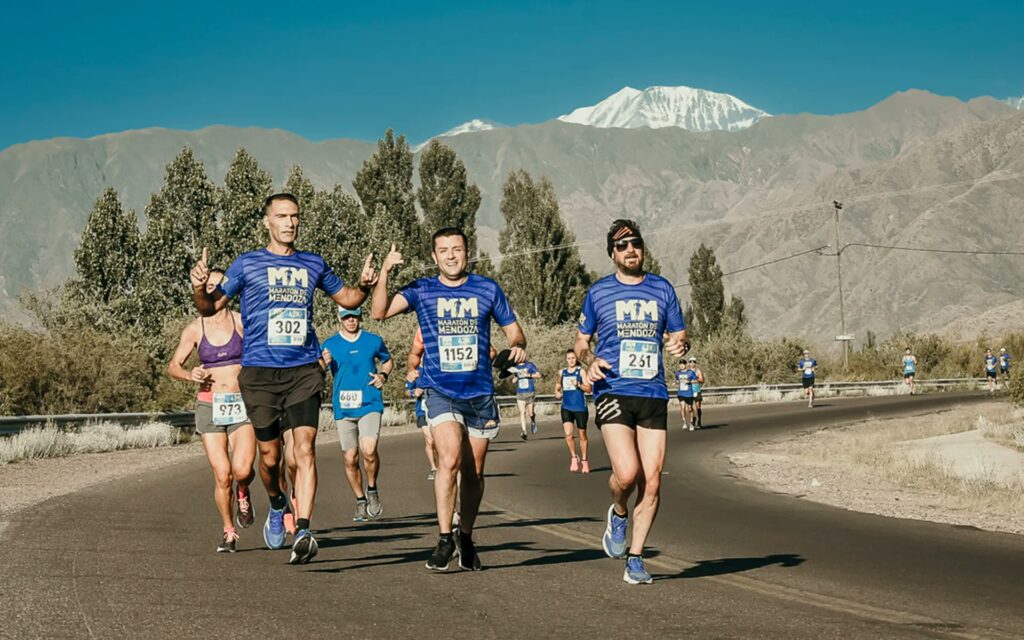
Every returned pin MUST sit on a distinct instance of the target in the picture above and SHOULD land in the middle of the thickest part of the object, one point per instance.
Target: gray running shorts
(352, 430)
(204, 421)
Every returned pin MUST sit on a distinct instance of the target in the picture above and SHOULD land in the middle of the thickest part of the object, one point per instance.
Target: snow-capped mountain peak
(1016, 103)
(474, 125)
(657, 107)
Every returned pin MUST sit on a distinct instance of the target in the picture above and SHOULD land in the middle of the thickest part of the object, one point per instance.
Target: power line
(930, 250)
(769, 262)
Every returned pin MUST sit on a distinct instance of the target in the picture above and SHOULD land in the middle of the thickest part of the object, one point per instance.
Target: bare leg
(243, 452)
(522, 414)
(428, 448)
(651, 446)
(569, 440)
(622, 451)
(584, 444)
(352, 473)
(474, 455)
(448, 437)
(216, 445)
(371, 459)
(270, 461)
(305, 473)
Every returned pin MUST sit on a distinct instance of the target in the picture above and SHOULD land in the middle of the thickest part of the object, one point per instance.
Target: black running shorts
(807, 382)
(686, 399)
(631, 411)
(280, 399)
(578, 418)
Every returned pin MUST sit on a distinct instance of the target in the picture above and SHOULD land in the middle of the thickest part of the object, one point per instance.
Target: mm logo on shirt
(457, 308)
(636, 310)
(287, 277)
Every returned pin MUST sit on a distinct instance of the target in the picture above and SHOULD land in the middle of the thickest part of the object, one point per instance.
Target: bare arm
(594, 366)
(353, 298)
(206, 303)
(516, 342)
(186, 345)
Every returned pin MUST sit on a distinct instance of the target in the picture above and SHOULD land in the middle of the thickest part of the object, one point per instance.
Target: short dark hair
(622, 228)
(274, 197)
(568, 351)
(446, 232)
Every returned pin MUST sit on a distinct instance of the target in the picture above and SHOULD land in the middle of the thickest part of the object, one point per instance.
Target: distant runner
(808, 366)
(455, 310)
(698, 392)
(282, 375)
(909, 369)
(632, 312)
(686, 377)
(352, 355)
(991, 362)
(571, 387)
(414, 390)
(527, 375)
(1004, 364)
(227, 434)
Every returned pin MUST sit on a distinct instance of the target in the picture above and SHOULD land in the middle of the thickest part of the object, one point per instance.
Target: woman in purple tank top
(227, 434)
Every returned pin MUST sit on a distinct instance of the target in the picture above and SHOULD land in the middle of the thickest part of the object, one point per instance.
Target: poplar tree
(107, 254)
(707, 294)
(240, 203)
(446, 196)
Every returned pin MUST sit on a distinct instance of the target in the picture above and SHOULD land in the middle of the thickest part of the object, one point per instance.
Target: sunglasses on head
(622, 245)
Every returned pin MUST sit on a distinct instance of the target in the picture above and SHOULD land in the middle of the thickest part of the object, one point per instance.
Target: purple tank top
(224, 355)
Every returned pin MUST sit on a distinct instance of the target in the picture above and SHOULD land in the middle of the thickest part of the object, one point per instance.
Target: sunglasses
(622, 245)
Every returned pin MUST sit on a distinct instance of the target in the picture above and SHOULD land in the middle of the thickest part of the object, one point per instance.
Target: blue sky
(336, 69)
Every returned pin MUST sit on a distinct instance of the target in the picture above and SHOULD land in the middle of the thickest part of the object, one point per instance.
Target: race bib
(684, 385)
(286, 327)
(808, 371)
(570, 383)
(228, 408)
(638, 359)
(457, 353)
(524, 384)
(350, 399)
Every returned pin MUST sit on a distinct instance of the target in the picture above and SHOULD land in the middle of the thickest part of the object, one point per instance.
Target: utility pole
(839, 278)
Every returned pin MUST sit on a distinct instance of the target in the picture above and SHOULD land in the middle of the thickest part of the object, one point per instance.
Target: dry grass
(52, 442)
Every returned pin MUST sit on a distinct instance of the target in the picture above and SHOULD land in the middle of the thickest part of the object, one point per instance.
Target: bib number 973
(228, 408)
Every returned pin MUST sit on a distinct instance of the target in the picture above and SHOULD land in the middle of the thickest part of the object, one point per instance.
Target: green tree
(384, 187)
(106, 257)
(333, 227)
(707, 292)
(445, 195)
(181, 221)
(541, 267)
(240, 203)
(651, 264)
(300, 186)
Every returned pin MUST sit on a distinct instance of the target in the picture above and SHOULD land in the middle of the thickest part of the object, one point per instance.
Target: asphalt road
(136, 558)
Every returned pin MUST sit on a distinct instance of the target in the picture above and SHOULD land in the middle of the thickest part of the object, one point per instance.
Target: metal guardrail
(15, 424)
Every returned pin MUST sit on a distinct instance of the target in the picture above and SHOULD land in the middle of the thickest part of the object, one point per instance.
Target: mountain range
(916, 170)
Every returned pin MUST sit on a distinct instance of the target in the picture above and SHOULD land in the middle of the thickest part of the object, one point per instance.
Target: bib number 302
(286, 327)
(639, 359)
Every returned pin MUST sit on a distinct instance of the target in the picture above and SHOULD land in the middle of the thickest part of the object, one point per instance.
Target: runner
(685, 379)
(414, 390)
(807, 367)
(527, 375)
(990, 370)
(1004, 364)
(631, 311)
(221, 422)
(698, 392)
(352, 355)
(571, 387)
(909, 369)
(455, 309)
(282, 375)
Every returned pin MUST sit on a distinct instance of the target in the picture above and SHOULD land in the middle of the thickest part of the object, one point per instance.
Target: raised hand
(368, 277)
(200, 273)
(393, 259)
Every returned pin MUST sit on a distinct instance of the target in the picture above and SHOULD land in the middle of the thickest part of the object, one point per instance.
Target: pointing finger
(369, 261)
(394, 247)
(205, 254)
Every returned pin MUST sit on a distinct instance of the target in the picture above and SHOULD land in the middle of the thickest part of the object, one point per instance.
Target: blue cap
(345, 313)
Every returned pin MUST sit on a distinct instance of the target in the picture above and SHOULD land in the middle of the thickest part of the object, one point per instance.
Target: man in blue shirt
(807, 367)
(352, 355)
(282, 376)
(527, 375)
(991, 362)
(909, 369)
(686, 380)
(455, 310)
(632, 312)
(571, 386)
(1004, 364)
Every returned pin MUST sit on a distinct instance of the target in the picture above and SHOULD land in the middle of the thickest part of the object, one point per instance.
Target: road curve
(135, 557)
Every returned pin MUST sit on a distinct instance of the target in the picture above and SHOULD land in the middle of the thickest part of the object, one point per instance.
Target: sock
(369, 488)
(301, 523)
(620, 515)
(361, 499)
(698, 415)
(278, 502)
(446, 537)
(633, 555)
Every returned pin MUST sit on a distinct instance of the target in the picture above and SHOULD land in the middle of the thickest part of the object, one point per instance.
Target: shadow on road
(722, 566)
(540, 522)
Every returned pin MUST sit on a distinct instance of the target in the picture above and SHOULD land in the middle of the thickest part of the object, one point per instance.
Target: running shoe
(245, 514)
(227, 542)
(360, 515)
(304, 548)
(273, 528)
(691, 426)
(373, 505)
(442, 554)
(614, 540)
(584, 466)
(635, 572)
(523, 436)
(290, 509)
(574, 466)
(432, 474)
(533, 426)
(468, 558)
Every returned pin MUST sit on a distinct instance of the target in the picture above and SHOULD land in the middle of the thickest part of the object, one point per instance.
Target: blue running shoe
(273, 528)
(304, 547)
(614, 540)
(635, 572)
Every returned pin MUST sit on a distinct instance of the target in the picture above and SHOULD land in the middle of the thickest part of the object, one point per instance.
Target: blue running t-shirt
(352, 362)
(1004, 361)
(277, 305)
(630, 321)
(806, 366)
(410, 389)
(523, 383)
(687, 379)
(909, 366)
(573, 398)
(456, 326)
(990, 363)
